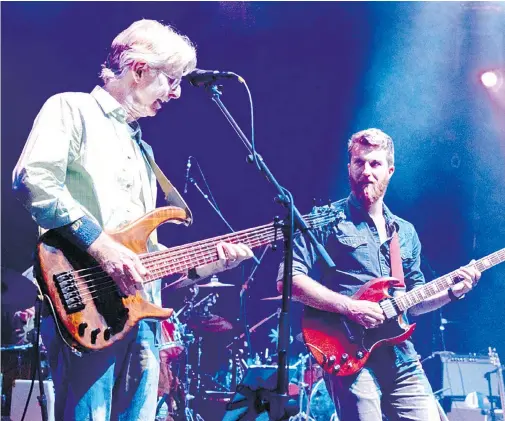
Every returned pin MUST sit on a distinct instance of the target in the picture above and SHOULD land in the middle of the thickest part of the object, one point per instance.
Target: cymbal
(276, 298)
(213, 284)
(212, 323)
(18, 291)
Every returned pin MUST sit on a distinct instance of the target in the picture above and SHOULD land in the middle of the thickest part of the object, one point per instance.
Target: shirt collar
(388, 215)
(108, 103)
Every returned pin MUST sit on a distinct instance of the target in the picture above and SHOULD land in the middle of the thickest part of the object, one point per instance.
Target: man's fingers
(230, 251)
(247, 252)
(220, 251)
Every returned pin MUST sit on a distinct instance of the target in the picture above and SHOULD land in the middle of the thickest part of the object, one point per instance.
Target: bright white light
(489, 79)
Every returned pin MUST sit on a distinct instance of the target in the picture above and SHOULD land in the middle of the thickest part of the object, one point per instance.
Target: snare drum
(171, 343)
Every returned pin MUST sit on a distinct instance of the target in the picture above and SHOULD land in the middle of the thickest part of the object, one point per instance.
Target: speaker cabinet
(20, 394)
(460, 412)
(456, 376)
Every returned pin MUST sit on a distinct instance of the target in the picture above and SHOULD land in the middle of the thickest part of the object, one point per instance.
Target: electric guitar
(90, 311)
(342, 347)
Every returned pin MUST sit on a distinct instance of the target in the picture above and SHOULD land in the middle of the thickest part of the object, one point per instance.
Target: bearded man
(392, 382)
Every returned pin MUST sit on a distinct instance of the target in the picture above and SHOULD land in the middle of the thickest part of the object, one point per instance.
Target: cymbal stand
(189, 413)
(302, 385)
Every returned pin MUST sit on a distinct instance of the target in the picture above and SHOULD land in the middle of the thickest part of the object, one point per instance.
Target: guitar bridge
(389, 309)
(69, 293)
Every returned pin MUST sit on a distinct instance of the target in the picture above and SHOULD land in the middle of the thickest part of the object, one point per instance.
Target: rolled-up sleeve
(304, 255)
(40, 174)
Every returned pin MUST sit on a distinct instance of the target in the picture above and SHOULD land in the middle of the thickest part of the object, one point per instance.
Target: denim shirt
(353, 243)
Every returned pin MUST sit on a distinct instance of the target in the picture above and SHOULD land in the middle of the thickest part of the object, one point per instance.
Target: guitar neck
(418, 295)
(182, 258)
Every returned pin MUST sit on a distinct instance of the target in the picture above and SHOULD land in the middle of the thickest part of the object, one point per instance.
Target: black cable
(38, 313)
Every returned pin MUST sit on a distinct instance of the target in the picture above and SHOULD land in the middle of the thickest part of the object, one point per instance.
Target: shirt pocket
(353, 241)
(406, 252)
(353, 252)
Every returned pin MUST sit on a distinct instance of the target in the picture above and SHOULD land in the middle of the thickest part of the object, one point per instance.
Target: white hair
(150, 42)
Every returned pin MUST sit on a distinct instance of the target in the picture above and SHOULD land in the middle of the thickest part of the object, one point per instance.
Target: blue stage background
(318, 72)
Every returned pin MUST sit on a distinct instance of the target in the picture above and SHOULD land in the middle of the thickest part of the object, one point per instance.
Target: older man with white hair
(83, 172)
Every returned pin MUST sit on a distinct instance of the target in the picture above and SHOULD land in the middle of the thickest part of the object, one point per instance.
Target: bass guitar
(342, 347)
(88, 307)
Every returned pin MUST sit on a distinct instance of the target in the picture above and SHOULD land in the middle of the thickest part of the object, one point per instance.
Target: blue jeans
(118, 383)
(401, 392)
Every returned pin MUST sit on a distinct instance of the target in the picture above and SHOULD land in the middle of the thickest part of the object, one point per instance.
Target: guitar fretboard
(181, 258)
(418, 295)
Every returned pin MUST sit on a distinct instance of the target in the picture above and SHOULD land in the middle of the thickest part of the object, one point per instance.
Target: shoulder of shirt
(72, 98)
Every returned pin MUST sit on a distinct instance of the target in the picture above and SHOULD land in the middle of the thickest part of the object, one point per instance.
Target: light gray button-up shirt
(80, 158)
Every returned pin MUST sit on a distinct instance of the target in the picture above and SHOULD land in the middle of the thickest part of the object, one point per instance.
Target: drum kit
(19, 356)
(189, 392)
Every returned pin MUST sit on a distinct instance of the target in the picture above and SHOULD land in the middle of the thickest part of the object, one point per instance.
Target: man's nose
(367, 169)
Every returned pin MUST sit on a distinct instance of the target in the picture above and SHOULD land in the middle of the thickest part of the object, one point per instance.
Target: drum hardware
(214, 283)
(253, 328)
(302, 359)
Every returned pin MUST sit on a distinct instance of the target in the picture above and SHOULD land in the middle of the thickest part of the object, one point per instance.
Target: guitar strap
(172, 196)
(396, 259)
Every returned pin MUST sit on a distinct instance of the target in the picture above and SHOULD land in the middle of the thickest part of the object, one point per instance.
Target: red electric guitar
(342, 347)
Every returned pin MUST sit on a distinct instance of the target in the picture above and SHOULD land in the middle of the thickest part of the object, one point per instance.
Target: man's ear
(138, 70)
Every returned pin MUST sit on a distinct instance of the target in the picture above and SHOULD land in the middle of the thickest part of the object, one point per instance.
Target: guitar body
(341, 346)
(88, 307)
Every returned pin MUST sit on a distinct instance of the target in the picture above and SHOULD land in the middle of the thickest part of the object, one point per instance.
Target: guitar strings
(325, 219)
(153, 259)
(110, 286)
(444, 282)
(178, 251)
(195, 259)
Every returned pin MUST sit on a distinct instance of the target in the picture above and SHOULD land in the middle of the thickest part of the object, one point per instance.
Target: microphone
(188, 166)
(199, 77)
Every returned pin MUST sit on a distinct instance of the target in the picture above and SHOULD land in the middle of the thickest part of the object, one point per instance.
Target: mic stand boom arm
(277, 400)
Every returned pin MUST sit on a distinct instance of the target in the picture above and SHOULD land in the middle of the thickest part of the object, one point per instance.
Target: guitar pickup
(389, 309)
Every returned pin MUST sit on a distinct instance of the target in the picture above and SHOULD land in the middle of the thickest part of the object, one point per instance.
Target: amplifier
(460, 412)
(455, 376)
(19, 395)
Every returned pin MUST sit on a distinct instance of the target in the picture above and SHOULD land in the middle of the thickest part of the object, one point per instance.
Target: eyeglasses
(172, 82)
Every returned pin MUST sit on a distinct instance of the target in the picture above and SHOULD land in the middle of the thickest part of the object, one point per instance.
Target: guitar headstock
(324, 216)
(494, 358)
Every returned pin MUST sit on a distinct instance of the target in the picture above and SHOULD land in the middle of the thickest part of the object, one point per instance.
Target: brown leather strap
(172, 196)
(396, 259)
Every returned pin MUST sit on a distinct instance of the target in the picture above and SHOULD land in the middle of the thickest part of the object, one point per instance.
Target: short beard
(370, 194)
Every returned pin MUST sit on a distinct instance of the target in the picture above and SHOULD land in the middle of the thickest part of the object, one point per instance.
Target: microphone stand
(276, 401)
